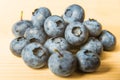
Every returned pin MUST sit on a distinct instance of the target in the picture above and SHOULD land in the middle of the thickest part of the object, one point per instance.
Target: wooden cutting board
(107, 12)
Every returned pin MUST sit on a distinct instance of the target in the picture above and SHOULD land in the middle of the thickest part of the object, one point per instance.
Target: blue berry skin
(62, 65)
(88, 61)
(108, 40)
(35, 55)
(54, 26)
(39, 16)
(76, 33)
(94, 27)
(56, 43)
(93, 45)
(74, 13)
(35, 34)
(17, 45)
(20, 27)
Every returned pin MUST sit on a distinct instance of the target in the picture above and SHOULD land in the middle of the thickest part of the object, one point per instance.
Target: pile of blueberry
(51, 40)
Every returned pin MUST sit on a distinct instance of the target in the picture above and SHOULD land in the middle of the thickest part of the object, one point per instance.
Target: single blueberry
(35, 55)
(76, 33)
(34, 33)
(17, 45)
(20, 27)
(54, 26)
(88, 61)
(56, 43)
(74, 13)
(39, 16)
(62, 63)
(93, 45)
(94, 27)
(108, 40)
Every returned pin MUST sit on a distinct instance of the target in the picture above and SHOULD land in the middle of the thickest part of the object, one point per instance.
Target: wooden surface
(13, 68)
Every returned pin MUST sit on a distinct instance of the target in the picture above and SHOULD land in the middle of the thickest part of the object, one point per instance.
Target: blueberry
(62, 63)
(54, 26)
(39, 16)
(35, 55)
(94, 27)
(93, 45)
(35, 34)
(88, 61)
(56, 43)
(20, 27)
(76, 33)
(17, 45)
(74, 13)
(108, 40)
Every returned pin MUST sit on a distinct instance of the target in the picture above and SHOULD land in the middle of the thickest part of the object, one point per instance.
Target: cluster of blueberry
(51, 39)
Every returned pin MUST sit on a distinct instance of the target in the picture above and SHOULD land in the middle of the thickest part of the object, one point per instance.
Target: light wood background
(13, 68)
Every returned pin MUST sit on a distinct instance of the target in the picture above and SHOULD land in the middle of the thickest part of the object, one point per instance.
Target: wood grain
(13, 68)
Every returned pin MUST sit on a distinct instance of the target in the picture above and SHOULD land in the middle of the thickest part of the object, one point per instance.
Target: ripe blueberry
(88, 61)
(39, 16)
(93, 45)
(17, 45)
(20, 27)
(54, 26)
(35, 55)
(74, 13)
(108, 40)
(62, 63)
(76, 33)
(34, 33)
(56, 43)
(94, 27)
